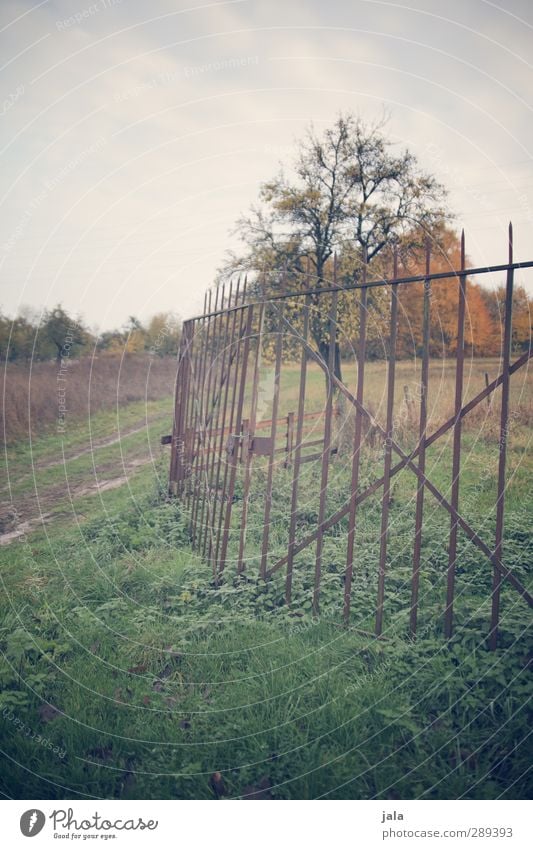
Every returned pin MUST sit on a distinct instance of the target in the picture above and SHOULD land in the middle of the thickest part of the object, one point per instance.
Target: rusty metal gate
(220, 444)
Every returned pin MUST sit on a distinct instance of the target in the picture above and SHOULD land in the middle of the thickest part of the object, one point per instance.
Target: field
(441, 389)
(32, 393)
(127, 674)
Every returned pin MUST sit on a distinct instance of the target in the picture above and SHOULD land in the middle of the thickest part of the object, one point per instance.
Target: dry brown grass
(30, 392)
(484, 418)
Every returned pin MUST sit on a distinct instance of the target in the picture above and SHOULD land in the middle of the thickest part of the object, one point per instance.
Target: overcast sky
(134, 133)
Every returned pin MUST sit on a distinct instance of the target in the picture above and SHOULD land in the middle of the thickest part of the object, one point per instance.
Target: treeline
(484, 319)
(485, 308)
(484, 315)
(56, 335)
(351, 194)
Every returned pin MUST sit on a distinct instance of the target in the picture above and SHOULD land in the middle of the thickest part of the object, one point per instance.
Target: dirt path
(33, 509)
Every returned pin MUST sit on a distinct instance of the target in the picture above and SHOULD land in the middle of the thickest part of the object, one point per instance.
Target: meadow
(126, 673)
(89, 385)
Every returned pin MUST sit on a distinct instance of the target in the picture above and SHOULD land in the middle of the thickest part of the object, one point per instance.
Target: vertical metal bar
(504, 437)
(246, 446)
(385, 502)
(187, 454)
(199, 482)
(290, 440)
(213, 405)
(177, 424)
(422, 427)
(245, 434)
(197, 438)
(273, 433)
(183, 460)
(198, 350)
(326, 449)
(237, 430)
(231, 352)
(208, 539)
(207, 418)
(228, 423)
(356, 456)
(456, 462)
(297, 453)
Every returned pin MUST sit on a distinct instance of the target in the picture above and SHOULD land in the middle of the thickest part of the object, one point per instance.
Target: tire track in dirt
(32, 510)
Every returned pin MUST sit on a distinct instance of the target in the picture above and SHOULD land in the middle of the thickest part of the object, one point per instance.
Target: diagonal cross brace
(407, 460)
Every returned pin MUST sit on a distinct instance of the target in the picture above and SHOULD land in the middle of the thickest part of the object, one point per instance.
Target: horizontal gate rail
(372, 284)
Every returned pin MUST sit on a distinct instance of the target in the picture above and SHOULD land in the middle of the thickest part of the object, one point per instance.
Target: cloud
(134, 137)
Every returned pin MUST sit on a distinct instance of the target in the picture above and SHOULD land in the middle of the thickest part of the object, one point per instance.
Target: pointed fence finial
(510, 242)
(395, 261)
(463, 254)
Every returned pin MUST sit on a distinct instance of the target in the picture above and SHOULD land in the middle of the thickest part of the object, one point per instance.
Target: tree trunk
(323, 350)
(318, 327)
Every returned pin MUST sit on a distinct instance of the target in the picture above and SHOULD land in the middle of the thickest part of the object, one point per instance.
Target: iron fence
(219, 444)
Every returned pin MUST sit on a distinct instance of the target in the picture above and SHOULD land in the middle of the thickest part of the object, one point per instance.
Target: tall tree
(349, 191)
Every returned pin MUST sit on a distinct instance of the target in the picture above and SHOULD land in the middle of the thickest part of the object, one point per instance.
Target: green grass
(102, 425)
(441, 385)
(61, 475)
(159, 679)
